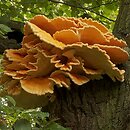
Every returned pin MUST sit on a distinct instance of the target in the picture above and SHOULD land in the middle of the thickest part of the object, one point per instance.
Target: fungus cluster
(60, 51)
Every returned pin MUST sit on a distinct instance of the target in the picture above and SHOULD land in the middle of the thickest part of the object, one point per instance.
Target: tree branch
(103, 4)
(84, 8)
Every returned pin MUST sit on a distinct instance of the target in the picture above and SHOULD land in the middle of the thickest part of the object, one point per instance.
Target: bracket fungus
(60, 51)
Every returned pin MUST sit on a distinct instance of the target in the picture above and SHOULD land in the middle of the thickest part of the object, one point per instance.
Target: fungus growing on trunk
(61, 50)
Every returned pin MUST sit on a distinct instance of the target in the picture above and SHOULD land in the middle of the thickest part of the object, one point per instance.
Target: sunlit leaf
(4, 29)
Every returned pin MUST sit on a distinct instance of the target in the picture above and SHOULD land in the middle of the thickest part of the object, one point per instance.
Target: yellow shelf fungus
(61, 50)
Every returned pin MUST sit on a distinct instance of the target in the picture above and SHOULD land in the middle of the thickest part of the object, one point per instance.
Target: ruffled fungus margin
(61, 50)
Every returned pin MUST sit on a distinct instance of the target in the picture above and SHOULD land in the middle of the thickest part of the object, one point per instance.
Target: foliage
(12, 117)
(22, 10)
(4, 29)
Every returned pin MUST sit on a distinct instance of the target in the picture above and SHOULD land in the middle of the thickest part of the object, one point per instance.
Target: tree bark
(122, 25)
(99, 104)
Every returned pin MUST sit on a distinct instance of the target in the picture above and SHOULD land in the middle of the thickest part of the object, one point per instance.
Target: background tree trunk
(97, 105)
(122, 25)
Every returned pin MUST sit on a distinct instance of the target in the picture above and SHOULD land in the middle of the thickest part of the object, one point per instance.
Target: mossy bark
(99, 104)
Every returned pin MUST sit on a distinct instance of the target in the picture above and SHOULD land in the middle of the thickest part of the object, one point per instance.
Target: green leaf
(41, 115)
(11, 100)
(4, 29)
(22, 124)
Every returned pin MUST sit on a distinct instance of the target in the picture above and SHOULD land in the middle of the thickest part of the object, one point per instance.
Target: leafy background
(105, 11)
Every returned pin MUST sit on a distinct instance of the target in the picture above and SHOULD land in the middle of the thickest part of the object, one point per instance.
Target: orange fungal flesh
(60, 51)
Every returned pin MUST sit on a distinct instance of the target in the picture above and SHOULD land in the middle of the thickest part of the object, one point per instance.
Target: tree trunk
(99, 104)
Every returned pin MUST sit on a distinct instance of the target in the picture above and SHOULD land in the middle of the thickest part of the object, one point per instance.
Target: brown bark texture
(99, 104)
